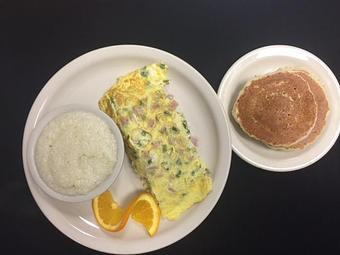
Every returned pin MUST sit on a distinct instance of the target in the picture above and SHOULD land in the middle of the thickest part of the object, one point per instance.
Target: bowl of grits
(75, 153)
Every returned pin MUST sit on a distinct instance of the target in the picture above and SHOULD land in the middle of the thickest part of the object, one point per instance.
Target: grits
(75, 152)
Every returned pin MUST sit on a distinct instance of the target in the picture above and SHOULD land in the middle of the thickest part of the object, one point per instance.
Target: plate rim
(66, 68)
(222, 86)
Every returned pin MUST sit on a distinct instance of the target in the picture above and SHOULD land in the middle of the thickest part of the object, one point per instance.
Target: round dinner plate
(83, 81)
(265, 60)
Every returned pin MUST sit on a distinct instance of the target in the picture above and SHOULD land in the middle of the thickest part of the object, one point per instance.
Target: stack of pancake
(286, 109)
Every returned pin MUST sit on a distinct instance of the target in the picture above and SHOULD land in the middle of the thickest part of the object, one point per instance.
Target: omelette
(158, 140)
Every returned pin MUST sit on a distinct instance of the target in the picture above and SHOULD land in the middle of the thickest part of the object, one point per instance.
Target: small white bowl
(102, 186)
(265, 60)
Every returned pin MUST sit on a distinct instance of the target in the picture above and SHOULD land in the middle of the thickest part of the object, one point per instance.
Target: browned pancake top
(322, 106)
(278, 109)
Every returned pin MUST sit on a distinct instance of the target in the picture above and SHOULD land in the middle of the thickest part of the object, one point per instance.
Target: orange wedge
(143, 209)
(107, 212)
(146, 211)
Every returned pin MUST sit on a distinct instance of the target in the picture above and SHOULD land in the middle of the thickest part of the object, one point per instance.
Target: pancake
(278, 109)
(322, 106)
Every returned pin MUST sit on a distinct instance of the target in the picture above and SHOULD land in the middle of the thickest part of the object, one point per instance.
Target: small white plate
(265, 60)
(83, 81)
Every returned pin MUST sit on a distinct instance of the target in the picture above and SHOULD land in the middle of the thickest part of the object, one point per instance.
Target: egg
(158, 139)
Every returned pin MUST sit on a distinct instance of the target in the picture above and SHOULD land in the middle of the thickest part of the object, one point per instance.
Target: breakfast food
(75, 152)
(108, 213)
(322, 106)
(158, 140)
(285, 110)
(143, 209)
(278, 109)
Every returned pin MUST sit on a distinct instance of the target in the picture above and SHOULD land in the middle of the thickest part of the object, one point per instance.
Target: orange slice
(143, 209)
(107, 212)
(146, 211)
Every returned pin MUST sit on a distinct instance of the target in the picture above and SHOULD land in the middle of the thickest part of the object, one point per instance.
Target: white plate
(265, 60)
(83, 81)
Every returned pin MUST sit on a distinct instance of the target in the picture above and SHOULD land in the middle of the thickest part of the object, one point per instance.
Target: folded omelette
(157, 139)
